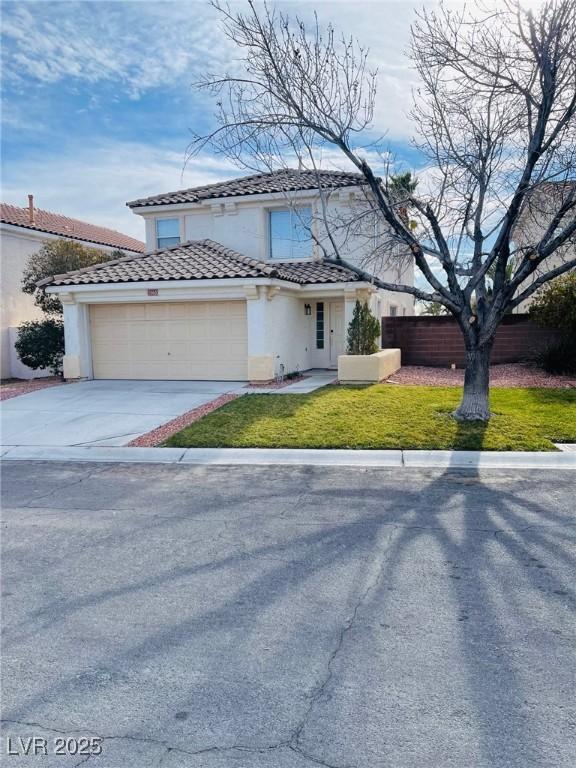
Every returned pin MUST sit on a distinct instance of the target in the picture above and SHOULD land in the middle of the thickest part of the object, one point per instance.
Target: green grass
(385, 416)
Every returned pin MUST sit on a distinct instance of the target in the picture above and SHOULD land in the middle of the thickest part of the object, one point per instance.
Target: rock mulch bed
(510, 375)
(16, 387)
(158, 435)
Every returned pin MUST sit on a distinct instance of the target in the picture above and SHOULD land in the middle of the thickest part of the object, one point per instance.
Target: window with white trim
(167, 232)
(319, 325)
(290, 236)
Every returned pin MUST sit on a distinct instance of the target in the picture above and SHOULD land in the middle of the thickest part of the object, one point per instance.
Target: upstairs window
(290, 234)
(167, 232)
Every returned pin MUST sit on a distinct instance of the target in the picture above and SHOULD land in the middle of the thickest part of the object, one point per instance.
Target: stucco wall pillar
(77, 362)
(260, 354)
(350, 298)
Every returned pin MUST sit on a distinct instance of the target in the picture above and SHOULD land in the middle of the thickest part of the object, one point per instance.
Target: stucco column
(77, 362)
(260, 356)
(349, 304)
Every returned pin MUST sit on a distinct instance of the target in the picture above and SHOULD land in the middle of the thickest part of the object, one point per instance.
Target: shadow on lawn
(367, 546)
(258, 421)
(566, 396)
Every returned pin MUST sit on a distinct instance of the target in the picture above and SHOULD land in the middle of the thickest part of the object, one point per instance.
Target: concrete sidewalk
(295, 457)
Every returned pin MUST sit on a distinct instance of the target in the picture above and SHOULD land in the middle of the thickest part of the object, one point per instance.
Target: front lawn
(386, 416)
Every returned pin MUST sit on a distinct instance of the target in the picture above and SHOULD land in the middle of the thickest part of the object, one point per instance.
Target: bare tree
(495, 116)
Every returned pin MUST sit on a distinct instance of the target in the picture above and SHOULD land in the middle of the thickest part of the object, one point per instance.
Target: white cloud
(140, 45)
(147, 45)
(384, 28)
(94, 183)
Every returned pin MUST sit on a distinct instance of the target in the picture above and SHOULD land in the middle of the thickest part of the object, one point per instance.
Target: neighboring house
(533, 222)
(23, 232)
(233, 286)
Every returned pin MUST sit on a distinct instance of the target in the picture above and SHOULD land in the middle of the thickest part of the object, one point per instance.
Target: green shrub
(40, 344)
(363, 331)
(554, 306)
(54, 258)
(558, 357)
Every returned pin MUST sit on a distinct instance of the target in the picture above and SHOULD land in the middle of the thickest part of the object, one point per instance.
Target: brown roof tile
(64, 226)
(289, 180)
(203, 260)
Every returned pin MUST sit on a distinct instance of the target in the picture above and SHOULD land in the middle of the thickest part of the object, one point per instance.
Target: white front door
(336, 330)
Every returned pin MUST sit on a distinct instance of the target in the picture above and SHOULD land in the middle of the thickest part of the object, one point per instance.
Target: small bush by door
(363, 331)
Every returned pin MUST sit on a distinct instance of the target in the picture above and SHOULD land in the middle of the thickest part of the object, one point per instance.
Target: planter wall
(357, 369)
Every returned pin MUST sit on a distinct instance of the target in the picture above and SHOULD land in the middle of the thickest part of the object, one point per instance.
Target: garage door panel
(179, 340)
(178, 311)
(158, 311)
(149, 351)
(109, 354)
(177, 331)
(120, 331)
(152, 332)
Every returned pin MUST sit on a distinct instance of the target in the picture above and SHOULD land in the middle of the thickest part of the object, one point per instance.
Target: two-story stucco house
(533, 222)
(233, 286)
(23, 232)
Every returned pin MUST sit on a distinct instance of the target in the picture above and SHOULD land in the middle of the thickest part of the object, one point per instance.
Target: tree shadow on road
(492, 579)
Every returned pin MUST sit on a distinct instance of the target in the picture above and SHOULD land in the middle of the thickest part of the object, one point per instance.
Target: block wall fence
(437, 341)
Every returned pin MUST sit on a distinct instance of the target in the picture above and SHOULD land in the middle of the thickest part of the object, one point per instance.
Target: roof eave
(203, 283)
(69, 236)
(140, 207)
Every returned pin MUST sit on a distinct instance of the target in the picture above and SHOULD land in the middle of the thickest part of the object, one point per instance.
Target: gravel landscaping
(510, 375)
(158, 435)
(15, 387)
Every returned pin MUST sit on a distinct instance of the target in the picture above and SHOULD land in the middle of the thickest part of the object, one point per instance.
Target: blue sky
(98, 98)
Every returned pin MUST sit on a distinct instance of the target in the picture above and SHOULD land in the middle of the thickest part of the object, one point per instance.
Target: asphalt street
(287, 617)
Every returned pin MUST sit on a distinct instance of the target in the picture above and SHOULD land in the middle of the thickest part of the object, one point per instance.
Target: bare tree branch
(494, 116)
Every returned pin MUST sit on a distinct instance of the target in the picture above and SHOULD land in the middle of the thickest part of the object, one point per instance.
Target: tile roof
(288, 180)
(56, 224)
(203, 260)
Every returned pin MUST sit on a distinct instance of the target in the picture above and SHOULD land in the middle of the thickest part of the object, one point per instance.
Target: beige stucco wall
(16, 246)
(242, 224)
(531, 227)
(260, 368)
(16, 307)
(367, 368)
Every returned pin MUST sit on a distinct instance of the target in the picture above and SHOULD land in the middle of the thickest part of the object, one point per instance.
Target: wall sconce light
(307, 309)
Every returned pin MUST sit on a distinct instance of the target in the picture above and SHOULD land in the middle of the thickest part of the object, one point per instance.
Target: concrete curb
(94, 453)
(295, 457)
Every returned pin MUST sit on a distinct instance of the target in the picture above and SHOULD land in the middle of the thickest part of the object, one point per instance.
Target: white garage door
(183, 340)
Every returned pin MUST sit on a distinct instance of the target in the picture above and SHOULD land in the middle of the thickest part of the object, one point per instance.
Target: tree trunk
(475, 404)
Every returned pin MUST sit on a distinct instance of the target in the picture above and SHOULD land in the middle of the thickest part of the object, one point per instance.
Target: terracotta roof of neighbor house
(204, 260)
(288, 180)
(64, 226)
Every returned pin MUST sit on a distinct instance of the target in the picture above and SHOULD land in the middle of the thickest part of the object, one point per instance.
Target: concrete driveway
(289, 617)
(102, 412)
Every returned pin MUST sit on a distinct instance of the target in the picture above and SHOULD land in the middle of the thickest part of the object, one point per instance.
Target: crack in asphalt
(88, 476)
(293, 743)
(344, 631)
